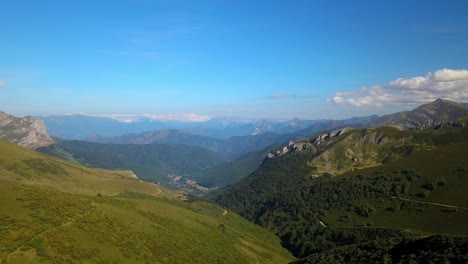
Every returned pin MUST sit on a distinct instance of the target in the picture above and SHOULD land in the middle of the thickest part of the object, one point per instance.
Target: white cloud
(2, 84)
(445, 83)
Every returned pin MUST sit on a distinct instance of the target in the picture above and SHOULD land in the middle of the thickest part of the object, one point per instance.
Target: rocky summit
(26, 132)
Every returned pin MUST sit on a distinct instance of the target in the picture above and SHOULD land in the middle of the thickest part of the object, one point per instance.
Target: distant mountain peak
(430, 114)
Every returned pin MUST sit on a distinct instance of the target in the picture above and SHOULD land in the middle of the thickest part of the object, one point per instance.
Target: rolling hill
(356, 186)
(54, 211)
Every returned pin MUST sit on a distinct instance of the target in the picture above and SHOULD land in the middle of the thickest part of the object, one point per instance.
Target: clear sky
(259, 59)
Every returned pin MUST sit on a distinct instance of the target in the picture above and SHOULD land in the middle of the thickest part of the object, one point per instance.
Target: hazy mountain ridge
(235, 146)
(27, 131)
(169, 136)
(81, 127)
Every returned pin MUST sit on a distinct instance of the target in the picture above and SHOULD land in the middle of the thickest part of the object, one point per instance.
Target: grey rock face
(294, 147)
(325, 137)
(26, 132)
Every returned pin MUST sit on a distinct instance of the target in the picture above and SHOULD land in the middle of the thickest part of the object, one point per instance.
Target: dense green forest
(434, 249)
(151, 162)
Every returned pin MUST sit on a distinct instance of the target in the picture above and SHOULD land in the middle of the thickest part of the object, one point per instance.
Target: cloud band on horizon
(445, 83)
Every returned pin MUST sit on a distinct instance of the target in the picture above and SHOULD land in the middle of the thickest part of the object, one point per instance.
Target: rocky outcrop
(26, 132)
(320, 139)
(133, 175)
(294, 147)
(374, 137)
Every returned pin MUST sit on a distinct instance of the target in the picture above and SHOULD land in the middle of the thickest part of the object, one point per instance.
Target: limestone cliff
(26, 132)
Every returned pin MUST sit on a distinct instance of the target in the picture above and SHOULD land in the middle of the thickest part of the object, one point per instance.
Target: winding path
(430, 203)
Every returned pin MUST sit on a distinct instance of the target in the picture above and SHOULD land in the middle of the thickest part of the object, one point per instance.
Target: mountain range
(235, 146)
(388, 189)
(232, 171)
(243, 153)
(163, 155)
(81, 127)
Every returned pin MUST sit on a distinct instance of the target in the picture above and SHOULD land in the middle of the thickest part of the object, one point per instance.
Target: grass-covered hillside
(54, 211)
(415, 186)
(357, 149)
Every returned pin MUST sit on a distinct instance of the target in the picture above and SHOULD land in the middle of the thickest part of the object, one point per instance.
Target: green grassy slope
(371, 147)
(53, 211)
(420, 192)
(23, 167)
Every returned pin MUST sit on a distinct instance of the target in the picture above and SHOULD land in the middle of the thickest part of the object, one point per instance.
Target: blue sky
(258, 59)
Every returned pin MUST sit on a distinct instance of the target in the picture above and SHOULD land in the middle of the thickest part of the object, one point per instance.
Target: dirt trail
(430, 203)
(158, 192)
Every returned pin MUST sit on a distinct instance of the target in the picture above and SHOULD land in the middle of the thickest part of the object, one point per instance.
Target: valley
(311, 199)
(243, 132)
